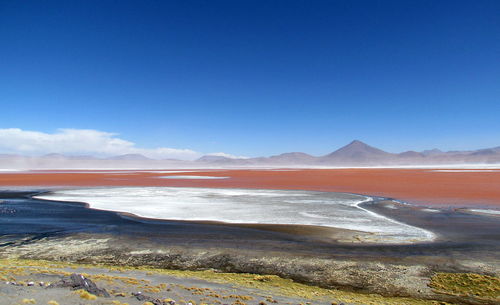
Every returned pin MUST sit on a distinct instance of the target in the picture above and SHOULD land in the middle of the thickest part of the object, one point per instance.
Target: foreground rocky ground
(42, 282)
(229, 276)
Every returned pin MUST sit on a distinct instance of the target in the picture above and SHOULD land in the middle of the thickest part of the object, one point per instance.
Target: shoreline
(458, 225)
(328, 233)
(315, 232)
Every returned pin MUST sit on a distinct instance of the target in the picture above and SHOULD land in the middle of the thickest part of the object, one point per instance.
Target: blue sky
(254, 77)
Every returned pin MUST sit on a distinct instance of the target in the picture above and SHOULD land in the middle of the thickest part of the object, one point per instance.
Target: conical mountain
(357, 151)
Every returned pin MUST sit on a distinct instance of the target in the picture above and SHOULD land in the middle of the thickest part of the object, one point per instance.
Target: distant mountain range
(354, 154)
(358, 153)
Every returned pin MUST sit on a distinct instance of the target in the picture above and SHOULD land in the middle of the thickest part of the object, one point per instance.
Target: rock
(78, 281)
(140, 297)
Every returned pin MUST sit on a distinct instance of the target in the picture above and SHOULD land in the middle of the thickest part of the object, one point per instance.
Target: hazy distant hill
(355, 153)
(293, 157)
(411, 154)
(132, 157)
(430, 152)
(212, 158)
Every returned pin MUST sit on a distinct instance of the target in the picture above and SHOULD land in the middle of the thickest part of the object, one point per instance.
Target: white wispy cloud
(81, 141)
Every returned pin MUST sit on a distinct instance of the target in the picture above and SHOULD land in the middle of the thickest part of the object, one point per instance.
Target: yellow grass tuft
(85, 294)
(28, 301)
(52, 302)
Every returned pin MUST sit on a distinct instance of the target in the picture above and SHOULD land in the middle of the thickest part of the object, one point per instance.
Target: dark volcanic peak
(130, 157)
(357, 150)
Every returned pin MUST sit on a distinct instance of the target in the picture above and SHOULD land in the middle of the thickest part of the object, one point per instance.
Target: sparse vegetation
(85, 295)
(467, 284)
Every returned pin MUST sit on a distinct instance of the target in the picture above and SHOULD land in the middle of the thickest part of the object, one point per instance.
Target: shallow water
(337, 210)
(492, 212)
(460, 235)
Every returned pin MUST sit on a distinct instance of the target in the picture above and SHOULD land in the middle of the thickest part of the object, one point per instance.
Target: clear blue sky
(256, 77)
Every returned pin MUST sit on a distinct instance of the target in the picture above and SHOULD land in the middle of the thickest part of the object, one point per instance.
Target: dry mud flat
(221, 270)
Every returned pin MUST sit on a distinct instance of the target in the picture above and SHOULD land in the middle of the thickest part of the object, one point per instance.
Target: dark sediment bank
(451, 225)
